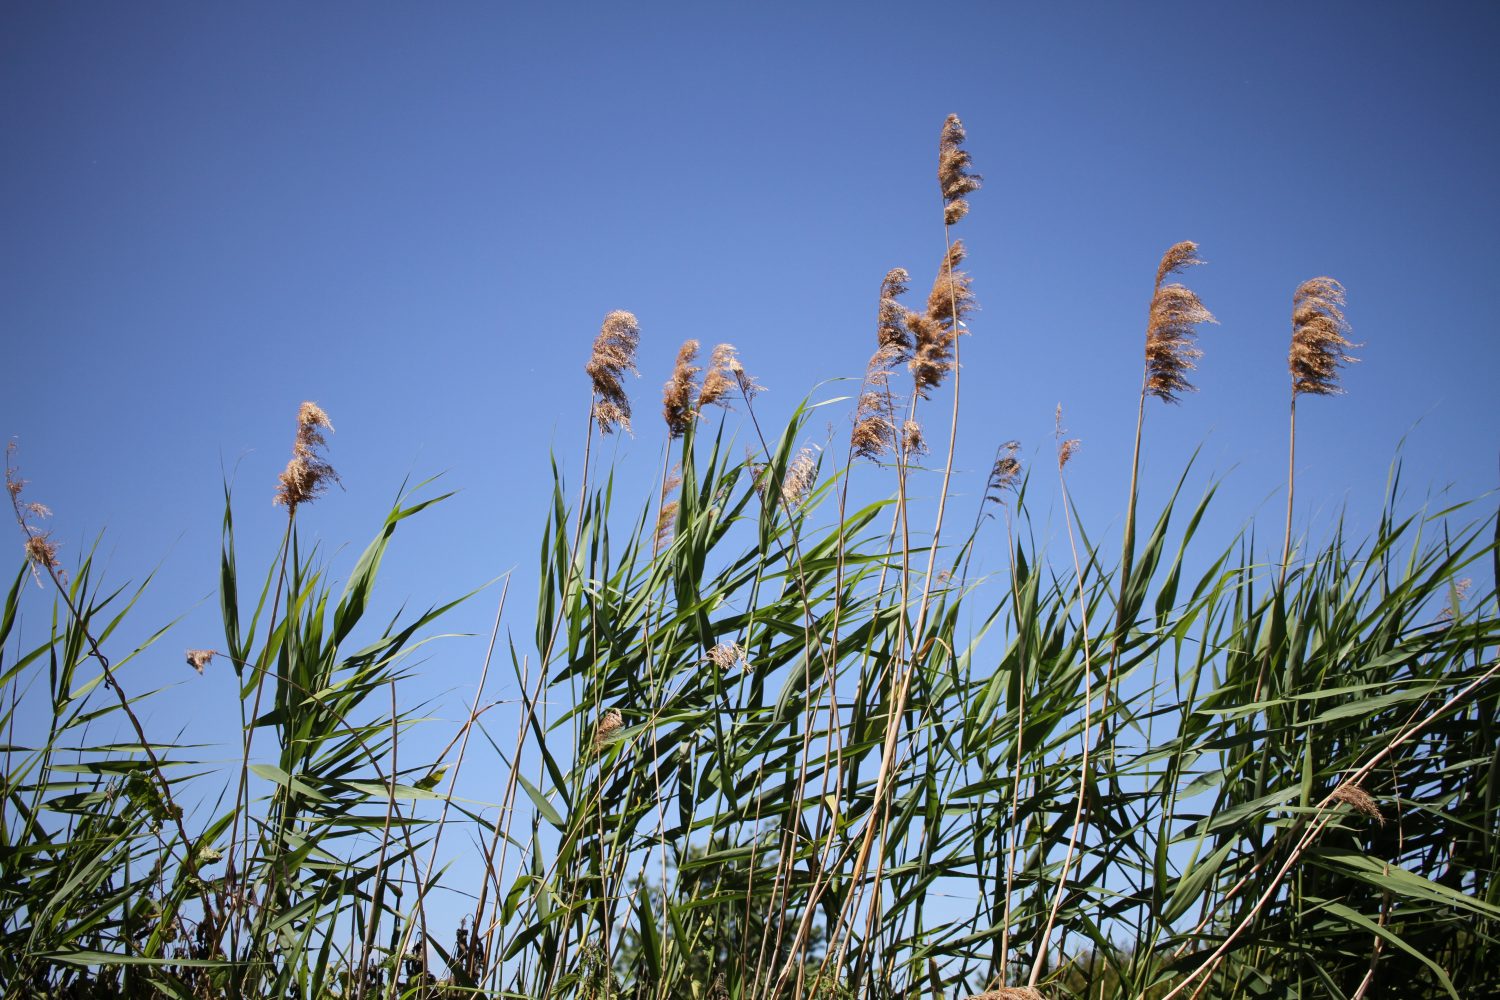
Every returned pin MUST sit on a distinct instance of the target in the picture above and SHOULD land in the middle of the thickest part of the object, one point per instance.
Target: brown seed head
(726, 655)
(677, 403)
(954, 176)
(1171, 330)
(801, 476)
(912, 441)
(720, 378)
(874, 431)
(613, 356)
(308, 473)
(1318, 337)
(934, 331)
(41, 550)
(1009, 993)
(891, 334)
(666, 515)
(198, 658)
(608, 728)
(1359, 800)
(1004, 473)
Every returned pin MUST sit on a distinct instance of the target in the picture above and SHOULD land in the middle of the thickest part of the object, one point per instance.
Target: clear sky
(417, 215)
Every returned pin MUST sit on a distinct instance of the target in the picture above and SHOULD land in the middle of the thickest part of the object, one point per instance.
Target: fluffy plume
(874, 431)
(724, 374)
(801, 475)
(608, 728)
(677, 403)
(1171, 332)
(1004, 473)
(198, 658)
(951, 299)
(613, 356)
(1066, 446)
(41, 551)
(308, 473)
(954, 176)
(1318, 341)
(912, 441)
(666, 516)
(1008, 993)
(1359, 800)
(890, 324)
(726, 655)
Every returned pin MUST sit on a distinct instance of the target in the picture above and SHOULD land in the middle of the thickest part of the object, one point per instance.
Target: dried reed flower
(801, 475)
(608, 728)
(950, 300)
(677, 403)
(725, 373)
(1004, 473)
(912, 441)
(890, 323)
(1009, 993)
(199, 658)
(954, 176)
(613, 356)
(666, 516)
(1318, 341)
(719, 991)
(1171, 331)
(1065, 446)
(874, 431)
(308, 473)
(1359, 800)
(1456, 598)
(726, 655)
(42, 551)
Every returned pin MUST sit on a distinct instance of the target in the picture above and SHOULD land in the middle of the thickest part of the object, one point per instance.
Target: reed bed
(771, 740)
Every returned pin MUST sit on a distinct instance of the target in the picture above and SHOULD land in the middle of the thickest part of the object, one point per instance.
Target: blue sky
(418, 215)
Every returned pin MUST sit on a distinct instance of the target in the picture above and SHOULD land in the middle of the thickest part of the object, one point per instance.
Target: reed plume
(1318, 341)
(934, 332)
(1317, 354)
(726, 655)
(954, 176)
(1004, 473)
(678, 406)
(199, 658)
(1171, 332)
(912, 441)
(613, 356)
(41, 551)
(874, 432)
(666, 514)
(308, 473)
(801, 476)
(608, 728)
(724, 374)
(1359, 800)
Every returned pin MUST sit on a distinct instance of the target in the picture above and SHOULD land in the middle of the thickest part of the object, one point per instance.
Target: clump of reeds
(308, 473)
(679, 407)
(954, 175)
(613, 356)
(1171, 331)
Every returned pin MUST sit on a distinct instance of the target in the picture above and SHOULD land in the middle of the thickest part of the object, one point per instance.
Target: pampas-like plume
(874, 431)
(1171, 332)
(725, 373)
(726, 655)
(1318, 341)
(308, 473)
(199, 658)
(666, 517)
(954, 176)
(1004, 473)
(891, 334)
(951, 299)
(677, 403)
(608, 729)
(1359, 800)
(613, 356)
(1008, 993)
(801, 475)
(912, 441)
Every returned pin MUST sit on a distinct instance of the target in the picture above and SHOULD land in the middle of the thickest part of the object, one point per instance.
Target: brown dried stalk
(613, 356)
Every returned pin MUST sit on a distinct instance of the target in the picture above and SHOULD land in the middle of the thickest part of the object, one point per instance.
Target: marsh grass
(771, 739)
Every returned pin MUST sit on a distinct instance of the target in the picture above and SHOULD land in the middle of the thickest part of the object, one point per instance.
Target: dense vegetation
(778, 741)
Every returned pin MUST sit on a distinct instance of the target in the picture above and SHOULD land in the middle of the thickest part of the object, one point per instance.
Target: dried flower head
(874, 431)
(613, 356)
(890, 324)
(1009, 993)
(801, 475)
(954, 176)
(1359, 800)
(725, 373)
(912, 441)
(1318, 337)
(666, 515)
(308, 473)
(1171, 331)
(1004, 473)
(1066, 446)
(677, 403)
(951, 299)
(42, 551)
(726, 655)
(199, 658)
(1456, 597)
(719, 991)
(608, 729)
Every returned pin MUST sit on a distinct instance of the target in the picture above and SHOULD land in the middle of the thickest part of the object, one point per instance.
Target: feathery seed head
(724, 374)
(1008, 993)
(666, 516)
(198, 658)
(1359, 800)
(912, 441)
(726, 655)
(1004, 473)
(874, 424)
(677, 403)
(308, 473)
(801, 476)
(613, 356)
(1318, 338)
(608, 728)
(1172, 328)
(891, 333)
(951, 299)
(42, 551)
(954, 176)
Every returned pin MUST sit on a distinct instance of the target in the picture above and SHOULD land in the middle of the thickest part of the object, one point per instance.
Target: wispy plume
(1066, 446)
(678, 405)
(951, 299)
(725, 373)
(608, 728)
(1005, 473)
(1359, 800)
(666, 515)
(954, 175)
(199, 658)
(41, 551)
(874, 432)
(912, 441)
(1171, 333)
(801, 476)
(613, 356)
(308, 473)
(1318, 337)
